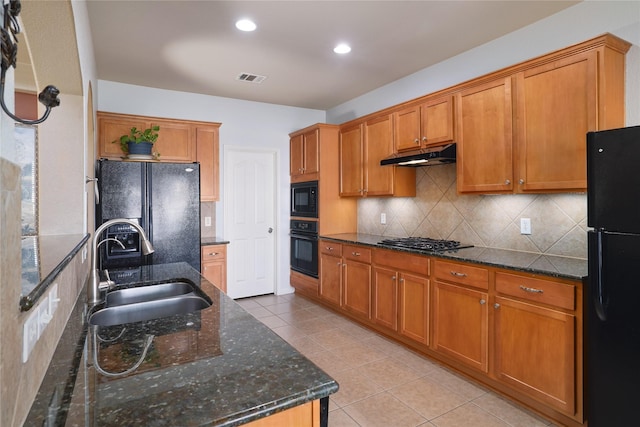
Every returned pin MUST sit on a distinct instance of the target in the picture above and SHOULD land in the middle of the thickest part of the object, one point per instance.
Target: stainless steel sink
(148, 310)
(148, 293)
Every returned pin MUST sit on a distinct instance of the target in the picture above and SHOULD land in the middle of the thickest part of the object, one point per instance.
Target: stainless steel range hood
(431, 156)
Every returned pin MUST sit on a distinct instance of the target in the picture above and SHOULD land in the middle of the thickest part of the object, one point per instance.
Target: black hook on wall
(9, 45)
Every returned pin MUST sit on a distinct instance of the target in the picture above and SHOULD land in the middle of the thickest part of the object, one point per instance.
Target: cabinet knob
(496, 306)
(521, 181)
(507, 181)
(213, 253)
(417, 141)
(339, 263)
(355, 253)
(483, 302)
(401, 280)
(424, 139)
(329, 248)
(393, 277)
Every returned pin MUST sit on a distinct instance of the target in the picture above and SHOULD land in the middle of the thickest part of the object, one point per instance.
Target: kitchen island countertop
(219, 366)
(550, 265)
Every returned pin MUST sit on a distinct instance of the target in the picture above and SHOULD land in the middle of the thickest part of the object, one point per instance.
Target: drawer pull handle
(213, 253)
(329, 248)
(531, 290)
(455, 273)
(355, 253)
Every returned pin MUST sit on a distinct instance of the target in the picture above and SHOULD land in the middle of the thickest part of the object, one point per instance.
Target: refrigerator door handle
(599, 291)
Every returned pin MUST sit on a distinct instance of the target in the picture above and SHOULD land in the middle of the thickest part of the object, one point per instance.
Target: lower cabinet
(535, 339)
(519, 333)
(214, 265)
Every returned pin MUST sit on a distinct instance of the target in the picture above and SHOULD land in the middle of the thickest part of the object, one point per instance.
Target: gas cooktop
(424, 244)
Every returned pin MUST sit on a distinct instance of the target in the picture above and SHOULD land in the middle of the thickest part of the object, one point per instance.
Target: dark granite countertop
(550, 265)
(216, 240)
(219, 366)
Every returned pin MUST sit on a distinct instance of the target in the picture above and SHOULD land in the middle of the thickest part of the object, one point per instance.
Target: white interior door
(249, 222)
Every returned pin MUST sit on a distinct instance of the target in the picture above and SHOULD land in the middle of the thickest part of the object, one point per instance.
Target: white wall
(244, 123)
(576, 24)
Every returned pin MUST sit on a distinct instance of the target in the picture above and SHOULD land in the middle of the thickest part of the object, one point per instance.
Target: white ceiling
(193, 46)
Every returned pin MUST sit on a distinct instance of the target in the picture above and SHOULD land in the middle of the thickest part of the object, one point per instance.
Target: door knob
(270, 230)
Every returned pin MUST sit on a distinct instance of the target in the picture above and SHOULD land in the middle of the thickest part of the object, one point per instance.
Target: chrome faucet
(93, 291)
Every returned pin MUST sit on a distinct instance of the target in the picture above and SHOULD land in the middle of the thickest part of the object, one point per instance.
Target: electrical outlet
(53, 299)
(30, 335)
(207, 221)
(383, 218)
(525, 225)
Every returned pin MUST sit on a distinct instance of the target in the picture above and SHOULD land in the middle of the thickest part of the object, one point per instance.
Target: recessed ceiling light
(245, 25)
(342, 48)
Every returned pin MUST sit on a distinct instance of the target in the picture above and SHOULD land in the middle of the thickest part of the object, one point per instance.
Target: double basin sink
(148, 302)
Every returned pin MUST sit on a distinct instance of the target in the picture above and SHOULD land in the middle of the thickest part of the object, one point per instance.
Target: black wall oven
(304, 247)
(304, 199)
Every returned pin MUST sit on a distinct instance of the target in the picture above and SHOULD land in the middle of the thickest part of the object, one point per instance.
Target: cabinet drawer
(330, 248)
(402, 261)
(357, 253)
(476, 277)
(214, 252)
(558, 294)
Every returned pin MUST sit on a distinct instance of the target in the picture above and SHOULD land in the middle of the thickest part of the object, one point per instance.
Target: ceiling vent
(251, 78)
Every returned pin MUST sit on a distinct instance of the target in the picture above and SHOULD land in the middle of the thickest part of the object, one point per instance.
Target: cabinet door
(207, 153)
(485, 156)
(437, 121)
(331, 279)
(385, 298)
(414, 307)
(357, 288)
(311, 151)
(176, 141)
(351, 162)
(378, 143)
(214, 265)
(556, 107)
(535, 352)
(296, 155)
(407, 128)
(460, 324)
(111, 128)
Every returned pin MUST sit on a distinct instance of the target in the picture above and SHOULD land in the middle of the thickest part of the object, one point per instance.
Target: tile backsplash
(558, 221)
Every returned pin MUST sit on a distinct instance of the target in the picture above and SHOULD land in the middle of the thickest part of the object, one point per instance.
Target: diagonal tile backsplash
(558, 221)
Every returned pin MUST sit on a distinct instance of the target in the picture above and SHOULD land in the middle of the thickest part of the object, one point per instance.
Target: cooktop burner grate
(424, 243)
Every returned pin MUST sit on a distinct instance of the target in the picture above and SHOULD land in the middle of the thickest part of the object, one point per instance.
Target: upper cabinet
(362, 146)
(423, 125)
(304, 161)
(524, 131)
(485, 152)
(178, 141)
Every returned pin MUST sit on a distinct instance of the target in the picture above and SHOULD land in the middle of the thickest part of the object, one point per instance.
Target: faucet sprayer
(93, 291)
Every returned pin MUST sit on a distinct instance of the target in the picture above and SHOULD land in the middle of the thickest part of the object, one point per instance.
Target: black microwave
(304, 199)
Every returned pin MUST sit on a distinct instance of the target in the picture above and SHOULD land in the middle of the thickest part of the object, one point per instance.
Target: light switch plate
(525, 225)
(383, 218)
(207, 221)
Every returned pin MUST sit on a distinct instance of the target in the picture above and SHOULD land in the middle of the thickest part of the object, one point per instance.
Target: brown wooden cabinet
(178, 141)
(357, 280)
(400, 293)
(362, 147)
(460, 313)
(424, 125)
(535, 327)
(485, 138)
(214, 265)
(208, 154)
(524, 130)
(304, 157)
(330, 272)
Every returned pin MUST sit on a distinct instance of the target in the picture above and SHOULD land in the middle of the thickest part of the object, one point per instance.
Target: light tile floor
(382, 383)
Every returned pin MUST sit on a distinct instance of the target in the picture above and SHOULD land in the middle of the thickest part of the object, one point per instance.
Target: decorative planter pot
(141, 148)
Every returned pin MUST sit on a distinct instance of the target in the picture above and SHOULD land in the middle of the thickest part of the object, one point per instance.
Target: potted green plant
(139, 142)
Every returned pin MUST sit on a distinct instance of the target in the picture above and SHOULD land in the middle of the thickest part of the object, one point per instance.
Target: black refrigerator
(164, 198)
(612, 297)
